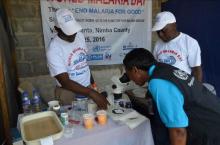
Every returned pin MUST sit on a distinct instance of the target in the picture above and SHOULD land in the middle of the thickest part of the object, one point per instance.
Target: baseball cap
(162, 19)
(66, 22)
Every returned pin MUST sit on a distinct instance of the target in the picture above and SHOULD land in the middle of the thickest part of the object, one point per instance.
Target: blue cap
(81, 97)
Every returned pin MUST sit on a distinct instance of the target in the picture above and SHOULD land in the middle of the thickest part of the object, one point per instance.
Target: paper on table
(132, 119)
(47, 141)
(114, 116)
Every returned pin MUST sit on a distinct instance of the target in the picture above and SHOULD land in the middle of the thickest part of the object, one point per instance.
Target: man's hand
(99, 99)
(77, 88)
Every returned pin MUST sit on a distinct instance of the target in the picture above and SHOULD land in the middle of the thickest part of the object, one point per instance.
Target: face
(167, 33)
(137, 75)
(68, 38)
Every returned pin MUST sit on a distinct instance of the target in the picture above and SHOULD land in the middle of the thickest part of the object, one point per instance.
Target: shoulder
(161, 87)
(53, 43)
(54, 46)
(157, 84)
(159, 43)
(189, 39)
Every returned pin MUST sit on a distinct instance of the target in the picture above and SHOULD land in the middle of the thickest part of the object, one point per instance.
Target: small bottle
(74, 113)
(26, 103)
(36, 101)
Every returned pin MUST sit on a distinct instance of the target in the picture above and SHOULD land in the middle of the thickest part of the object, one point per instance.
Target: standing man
(176, 48)
(67, 62)
(185, 115)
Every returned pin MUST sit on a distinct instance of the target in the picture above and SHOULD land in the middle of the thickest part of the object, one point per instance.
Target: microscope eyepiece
(114, 86)
(124, 78)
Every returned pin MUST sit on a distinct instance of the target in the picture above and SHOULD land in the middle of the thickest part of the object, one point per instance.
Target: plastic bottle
(74, 113)
(26, 103)
(36, 101)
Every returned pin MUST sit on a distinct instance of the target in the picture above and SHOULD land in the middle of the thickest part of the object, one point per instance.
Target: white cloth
(132, 119)
(110, 134)
(63, 56)
(182, 52)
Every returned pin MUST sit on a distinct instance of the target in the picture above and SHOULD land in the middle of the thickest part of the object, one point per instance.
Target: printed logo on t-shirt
(77, 63)
(169, 56)
(77, 73)
(81, 58)
(180, 74)
(168, 60)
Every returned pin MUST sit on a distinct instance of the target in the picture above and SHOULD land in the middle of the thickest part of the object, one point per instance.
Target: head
(66, 25)
(165, 26)
(137, 63)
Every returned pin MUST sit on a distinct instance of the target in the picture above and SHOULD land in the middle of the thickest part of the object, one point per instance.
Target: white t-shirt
(63, 56)
(182, 52)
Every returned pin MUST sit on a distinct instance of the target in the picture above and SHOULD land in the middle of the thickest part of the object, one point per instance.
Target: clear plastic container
(82, 104)
(75, 114)
(36, 101)
(68, 131)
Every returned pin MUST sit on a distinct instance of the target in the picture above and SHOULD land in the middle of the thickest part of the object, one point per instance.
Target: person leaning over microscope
(183, 115)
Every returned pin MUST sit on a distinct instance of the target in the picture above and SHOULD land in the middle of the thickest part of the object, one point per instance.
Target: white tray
(37, 126)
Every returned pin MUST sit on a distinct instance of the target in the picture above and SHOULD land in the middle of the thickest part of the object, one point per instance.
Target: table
(112, 133)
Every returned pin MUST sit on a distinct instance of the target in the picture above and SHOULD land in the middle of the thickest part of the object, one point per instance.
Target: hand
(99, 99)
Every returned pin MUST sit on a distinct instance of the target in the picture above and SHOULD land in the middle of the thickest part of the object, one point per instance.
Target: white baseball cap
(162, 19)
(66, 22)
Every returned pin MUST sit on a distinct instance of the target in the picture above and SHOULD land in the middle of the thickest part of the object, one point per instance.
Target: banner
(111, 27)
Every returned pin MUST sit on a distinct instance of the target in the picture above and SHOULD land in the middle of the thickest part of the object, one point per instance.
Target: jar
(82, 104)
(92, 107)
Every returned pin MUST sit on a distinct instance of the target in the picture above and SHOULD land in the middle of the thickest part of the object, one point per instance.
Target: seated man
(186, 112)
(176, 48)
(67, 62)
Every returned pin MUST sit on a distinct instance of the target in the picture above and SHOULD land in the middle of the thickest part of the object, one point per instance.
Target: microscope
(120, 85)
(117, 95)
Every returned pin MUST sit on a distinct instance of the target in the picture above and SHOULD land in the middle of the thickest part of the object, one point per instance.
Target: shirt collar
(151, 69)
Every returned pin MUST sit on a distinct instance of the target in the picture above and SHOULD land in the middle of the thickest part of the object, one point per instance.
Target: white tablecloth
(110, 134)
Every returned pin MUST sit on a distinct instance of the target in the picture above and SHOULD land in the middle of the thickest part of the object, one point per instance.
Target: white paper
(133, 119)
(47, 141)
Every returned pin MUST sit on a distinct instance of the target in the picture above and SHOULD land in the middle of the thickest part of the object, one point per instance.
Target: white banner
(111, 27)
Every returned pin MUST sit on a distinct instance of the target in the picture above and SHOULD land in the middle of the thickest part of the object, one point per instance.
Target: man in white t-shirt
(176, 48)
(67, 62)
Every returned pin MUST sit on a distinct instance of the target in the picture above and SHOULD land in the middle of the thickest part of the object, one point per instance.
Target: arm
(178, 136)
(93, 83)
(194, 59)
(197, 73)
(73, 86)
(169, 102)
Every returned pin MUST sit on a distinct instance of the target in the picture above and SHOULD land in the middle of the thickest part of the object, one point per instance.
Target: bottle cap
(56, 107)
(79, 97)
